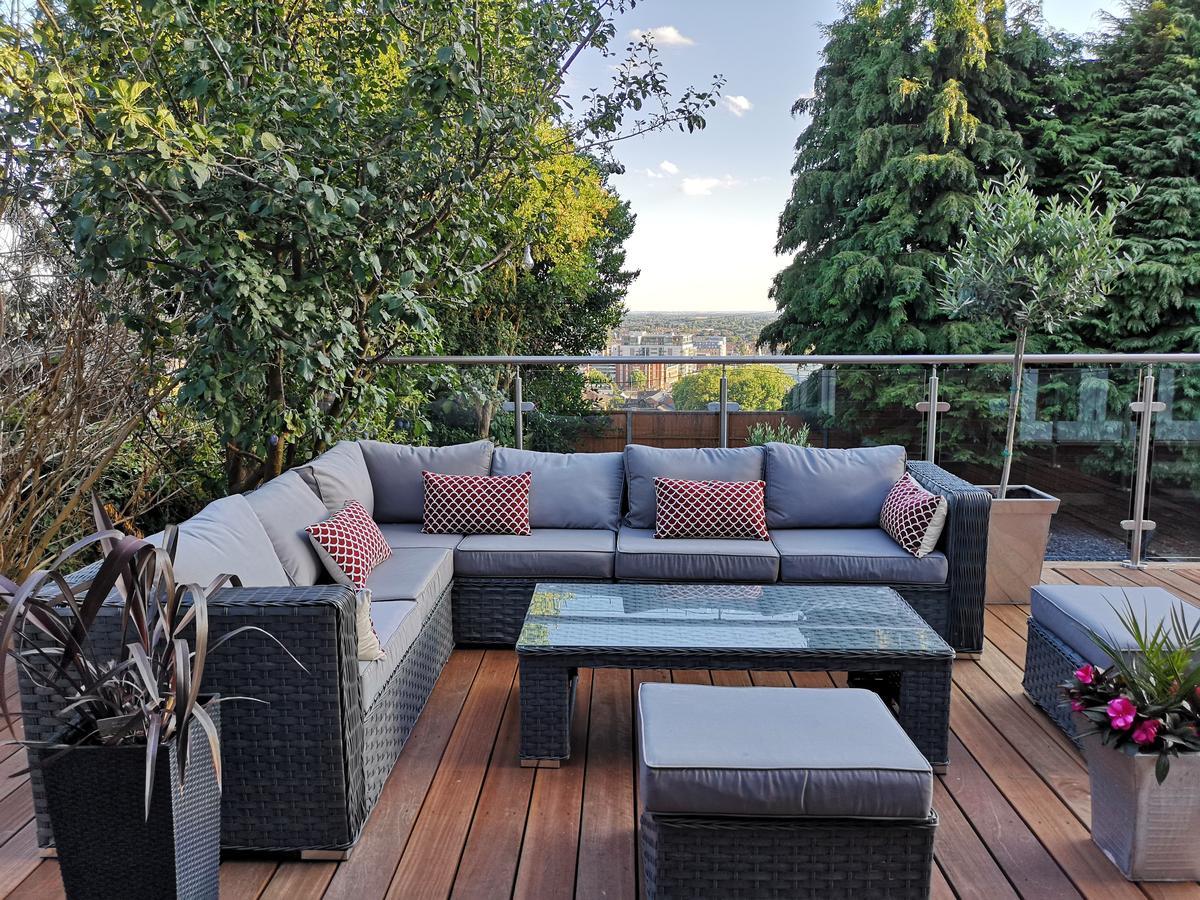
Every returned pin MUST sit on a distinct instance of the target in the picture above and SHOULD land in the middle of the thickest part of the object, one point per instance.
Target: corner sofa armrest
(964, 542)
(293, 760)
(292, 754)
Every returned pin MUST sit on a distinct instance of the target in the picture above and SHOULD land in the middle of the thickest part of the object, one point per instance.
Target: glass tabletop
(802, 617)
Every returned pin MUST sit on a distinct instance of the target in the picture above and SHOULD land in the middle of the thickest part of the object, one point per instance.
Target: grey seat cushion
(853, 556)
(398, 625)
(1072, 610)
(395, 471)
(644, 464)
(339, 474)
(811, 487)
(568, 490)
(734, 751)
(546, 553)
(643, 557)
(226, 538)
(400, 535)
(417, 573)
(285, 506)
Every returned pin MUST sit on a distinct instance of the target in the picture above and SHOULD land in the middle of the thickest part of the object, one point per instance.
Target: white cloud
(669, 167)
(737, 104)
(703, 187)
(652, 173)
(664, 36)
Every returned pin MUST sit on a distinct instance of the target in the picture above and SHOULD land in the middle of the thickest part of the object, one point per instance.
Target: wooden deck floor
(459, 818)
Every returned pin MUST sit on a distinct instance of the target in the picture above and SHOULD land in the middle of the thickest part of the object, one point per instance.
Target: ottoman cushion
(1071, 610)
(730, 751)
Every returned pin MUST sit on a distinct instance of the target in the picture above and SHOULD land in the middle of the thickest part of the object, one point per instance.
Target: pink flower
(1121, 712)
(1085, 674)
(1076, 706)
(1147, 732)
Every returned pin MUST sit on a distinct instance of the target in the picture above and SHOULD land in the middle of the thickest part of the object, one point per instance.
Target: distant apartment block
(711, 345)
(658, 376)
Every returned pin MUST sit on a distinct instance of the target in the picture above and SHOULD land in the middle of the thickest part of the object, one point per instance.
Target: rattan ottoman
(780, 793)
(1061, 624)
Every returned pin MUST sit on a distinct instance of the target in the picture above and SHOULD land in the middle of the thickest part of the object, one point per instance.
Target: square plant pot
(107, 847)
(1148, 830)
(1018, 531)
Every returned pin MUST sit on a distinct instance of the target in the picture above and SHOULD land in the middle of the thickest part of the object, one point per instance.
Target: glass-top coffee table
(856, 629)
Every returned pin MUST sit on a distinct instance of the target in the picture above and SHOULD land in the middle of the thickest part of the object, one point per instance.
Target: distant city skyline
(707, 203)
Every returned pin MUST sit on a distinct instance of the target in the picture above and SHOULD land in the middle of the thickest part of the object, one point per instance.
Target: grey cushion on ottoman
(568, 490)
(339, 474)
(643, 557)
(544, 553)
(811, 487)
(853, 556)
(396, 473)
(644, 464)
(1070, 610)
(729, 751)
(286, 506)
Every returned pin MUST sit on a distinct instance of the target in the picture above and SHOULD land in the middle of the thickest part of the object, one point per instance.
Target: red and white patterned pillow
(709, 509)
(476, 504)
(913, 516)
(350, 544)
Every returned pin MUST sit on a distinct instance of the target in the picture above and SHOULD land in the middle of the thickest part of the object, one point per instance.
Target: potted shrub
(1141, 739)
(132, 780)
(1031, 266)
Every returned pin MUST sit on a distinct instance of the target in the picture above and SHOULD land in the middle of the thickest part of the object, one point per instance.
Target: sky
(707, 203)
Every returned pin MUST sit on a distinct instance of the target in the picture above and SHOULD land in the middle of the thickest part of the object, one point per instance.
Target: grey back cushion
(568, 490)
(285, 506)
(810, 487)
(644, 464)
(339, 474)
(226, 538)
(395, 471)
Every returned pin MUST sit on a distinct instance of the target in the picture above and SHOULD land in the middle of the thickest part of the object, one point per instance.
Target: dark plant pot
(106, 846)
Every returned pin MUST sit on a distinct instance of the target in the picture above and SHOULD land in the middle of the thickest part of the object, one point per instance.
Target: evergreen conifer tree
(1145, 128)
(911, 113)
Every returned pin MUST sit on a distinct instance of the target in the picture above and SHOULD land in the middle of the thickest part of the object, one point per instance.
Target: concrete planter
(1018, 530)
(1148, 830)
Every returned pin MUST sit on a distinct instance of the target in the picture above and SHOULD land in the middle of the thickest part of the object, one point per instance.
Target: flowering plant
(1148, 700)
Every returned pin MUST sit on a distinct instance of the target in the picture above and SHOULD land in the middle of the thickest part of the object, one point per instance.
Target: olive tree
(1032, 265)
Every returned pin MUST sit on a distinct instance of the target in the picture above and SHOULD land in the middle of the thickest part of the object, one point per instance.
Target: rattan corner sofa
(304, 769)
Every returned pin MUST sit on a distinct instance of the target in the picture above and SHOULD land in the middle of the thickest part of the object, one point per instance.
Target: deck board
(459, 817)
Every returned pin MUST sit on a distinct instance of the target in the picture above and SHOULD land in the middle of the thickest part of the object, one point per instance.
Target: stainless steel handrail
(945, 359)
(1145, 406)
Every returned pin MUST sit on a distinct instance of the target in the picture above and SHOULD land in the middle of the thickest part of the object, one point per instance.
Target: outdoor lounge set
(829, 589)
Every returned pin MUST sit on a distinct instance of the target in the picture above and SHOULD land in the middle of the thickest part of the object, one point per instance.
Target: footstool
(1059, 642)
(780, 793)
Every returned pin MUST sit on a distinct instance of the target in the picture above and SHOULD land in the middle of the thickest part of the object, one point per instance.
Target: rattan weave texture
(786, 859)
(1048, 663)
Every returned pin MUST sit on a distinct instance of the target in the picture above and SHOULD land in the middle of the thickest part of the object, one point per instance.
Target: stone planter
(1148, 830)
(105, 845)
(1018, 530)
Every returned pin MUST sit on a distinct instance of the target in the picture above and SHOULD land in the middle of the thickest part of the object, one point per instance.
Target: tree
(1031, 266)
(909, 115)
(751, 387)
(308, 185)
(637, 379)
(1144, 129)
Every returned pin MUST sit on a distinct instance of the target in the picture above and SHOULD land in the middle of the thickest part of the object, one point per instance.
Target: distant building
(712, 345)
(657, 376)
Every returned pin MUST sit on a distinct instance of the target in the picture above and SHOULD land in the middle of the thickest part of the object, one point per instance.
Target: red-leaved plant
(1147, 701)
(150, 696)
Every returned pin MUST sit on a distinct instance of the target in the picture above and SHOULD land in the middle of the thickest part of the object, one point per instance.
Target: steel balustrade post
(1145, 406)
(518, 411)
(724, 410)
(932, 406)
